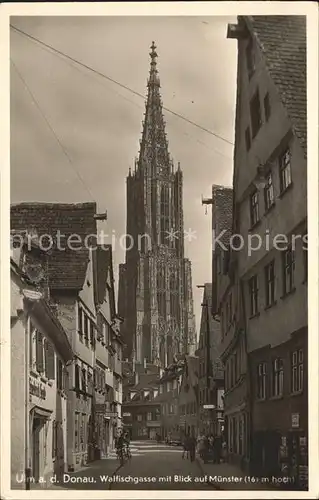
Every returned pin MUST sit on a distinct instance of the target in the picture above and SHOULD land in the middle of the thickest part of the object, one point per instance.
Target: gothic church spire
(154, 154)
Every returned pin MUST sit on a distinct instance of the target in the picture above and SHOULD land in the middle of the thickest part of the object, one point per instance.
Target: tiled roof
(66, 267)
(282, 40)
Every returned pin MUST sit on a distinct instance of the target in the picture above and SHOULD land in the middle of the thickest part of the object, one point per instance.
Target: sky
(74, 134)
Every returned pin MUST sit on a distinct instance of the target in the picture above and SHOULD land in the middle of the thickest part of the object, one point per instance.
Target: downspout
(26, 405)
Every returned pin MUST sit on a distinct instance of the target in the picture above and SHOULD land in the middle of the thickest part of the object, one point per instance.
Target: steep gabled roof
(283, 42)
(66, 266)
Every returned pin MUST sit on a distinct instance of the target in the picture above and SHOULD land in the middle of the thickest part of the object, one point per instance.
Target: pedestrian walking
(217, 449)
(185, 447)
(192, 448)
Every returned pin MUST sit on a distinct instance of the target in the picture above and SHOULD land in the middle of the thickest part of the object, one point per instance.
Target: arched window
(165, 215)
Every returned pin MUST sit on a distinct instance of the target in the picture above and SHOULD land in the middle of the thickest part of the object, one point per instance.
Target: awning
(41, 412)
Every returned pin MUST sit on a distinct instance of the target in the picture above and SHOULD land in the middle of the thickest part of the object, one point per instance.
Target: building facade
(270, 204)
(188, 401)
(107, 395)
(72, 283)
(169, 390)
(40, 354)
(155, 289)
(211, 370)
(141, 409)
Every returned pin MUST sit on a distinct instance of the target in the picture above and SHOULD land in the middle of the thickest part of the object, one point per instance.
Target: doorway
(36, 449)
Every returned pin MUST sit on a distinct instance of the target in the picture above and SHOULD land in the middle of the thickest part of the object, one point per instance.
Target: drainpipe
(27, 472)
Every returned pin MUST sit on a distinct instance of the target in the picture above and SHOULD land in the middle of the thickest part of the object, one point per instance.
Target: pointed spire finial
(130, 172)
(153, 70)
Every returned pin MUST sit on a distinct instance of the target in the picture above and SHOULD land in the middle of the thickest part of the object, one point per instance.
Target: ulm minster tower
(155, 284)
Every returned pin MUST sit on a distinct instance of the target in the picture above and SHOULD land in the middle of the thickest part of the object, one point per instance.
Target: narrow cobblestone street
(152, 466)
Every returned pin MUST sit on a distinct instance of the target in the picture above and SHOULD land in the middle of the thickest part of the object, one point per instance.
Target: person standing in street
(192, 447)
(185, 446)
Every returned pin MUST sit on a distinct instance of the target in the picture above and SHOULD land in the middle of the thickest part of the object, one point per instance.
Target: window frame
(253, 295)
(297, 371)
(261, 381)
(270, 283)
(254, 208)
(289, 267)
(269, 193)
(278, 377)
(285, 170)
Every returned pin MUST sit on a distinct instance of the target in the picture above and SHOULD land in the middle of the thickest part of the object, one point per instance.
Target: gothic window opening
(165, 216)
(161, 292)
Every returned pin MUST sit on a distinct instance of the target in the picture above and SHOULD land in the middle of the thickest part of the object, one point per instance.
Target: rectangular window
(60, 375)
(33, 340)
(270, 283)
(285, 170)
(149, 416)
(253, 295)
(261, 381)
(39, 352)
(250, 60)
(269, 193)
(49, 361)
(254, 209)
(92, 332)
(297, 371)
(267, 107)
(80, 322)
(139, 418)
(288, 270)
(278, 377)
(247, 139)
(255, 114)
(84, 384)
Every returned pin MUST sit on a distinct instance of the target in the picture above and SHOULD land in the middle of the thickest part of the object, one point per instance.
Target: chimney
(101, 216)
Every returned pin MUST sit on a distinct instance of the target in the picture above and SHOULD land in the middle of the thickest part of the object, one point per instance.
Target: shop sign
(295, 420)
(37, 389)
(127, 414)
(209, 407)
